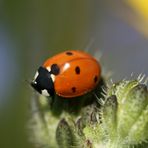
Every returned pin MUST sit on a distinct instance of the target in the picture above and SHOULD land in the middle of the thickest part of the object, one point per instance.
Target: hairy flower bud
(120, 121)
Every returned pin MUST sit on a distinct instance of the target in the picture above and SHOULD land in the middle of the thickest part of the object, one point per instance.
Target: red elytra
(78, 74)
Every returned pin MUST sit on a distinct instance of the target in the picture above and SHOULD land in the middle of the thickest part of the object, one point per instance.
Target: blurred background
(33, 30)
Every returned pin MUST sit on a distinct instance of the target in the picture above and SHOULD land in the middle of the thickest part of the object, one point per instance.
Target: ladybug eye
(55, 69)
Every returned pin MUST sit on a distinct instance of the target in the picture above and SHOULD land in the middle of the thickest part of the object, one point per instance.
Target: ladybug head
(43, 82)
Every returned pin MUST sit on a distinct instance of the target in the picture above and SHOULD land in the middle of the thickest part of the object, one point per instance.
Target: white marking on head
(45, 93)
(36, 75)
(66, 66)
(49, 69)
(52, 77)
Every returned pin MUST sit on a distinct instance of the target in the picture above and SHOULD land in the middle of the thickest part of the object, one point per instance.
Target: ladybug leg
(51, 101)
(57, 105)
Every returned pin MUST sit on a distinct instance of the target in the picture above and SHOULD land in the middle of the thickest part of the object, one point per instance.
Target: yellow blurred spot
(140, 6)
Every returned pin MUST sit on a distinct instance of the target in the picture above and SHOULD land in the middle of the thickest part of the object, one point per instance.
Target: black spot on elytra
(73, 89)
(77, 70)
(95, 79)
(69, 53)
(55, 69)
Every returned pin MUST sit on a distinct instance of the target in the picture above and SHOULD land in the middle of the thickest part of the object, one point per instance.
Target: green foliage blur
(32, 31)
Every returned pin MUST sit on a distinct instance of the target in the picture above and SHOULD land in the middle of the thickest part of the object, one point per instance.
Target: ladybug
(68, 74)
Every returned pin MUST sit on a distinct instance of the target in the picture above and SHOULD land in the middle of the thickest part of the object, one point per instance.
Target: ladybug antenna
(27, 81)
